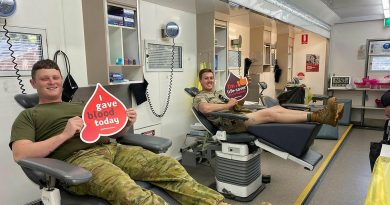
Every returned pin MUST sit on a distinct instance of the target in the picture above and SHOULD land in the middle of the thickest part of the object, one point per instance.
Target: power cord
(169, 87)
(18, 76)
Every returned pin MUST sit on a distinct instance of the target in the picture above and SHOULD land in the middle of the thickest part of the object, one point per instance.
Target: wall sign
(103, 115)
(236, 87)
(304, 38)
(312, 63)
(149, 133)
(339, 81)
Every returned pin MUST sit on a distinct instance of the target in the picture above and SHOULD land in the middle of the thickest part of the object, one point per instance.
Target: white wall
(43, 14)
(345, 42)
(316, 45)
(175, 124)
(344, 45)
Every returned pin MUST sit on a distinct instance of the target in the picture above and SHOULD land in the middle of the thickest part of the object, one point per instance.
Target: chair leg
(36, 202)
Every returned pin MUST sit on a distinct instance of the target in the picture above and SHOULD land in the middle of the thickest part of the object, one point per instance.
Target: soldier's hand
(73, 126)
(132, 116)
(232, 102)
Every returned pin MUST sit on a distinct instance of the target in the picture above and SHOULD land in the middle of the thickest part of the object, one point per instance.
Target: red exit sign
(304, 38)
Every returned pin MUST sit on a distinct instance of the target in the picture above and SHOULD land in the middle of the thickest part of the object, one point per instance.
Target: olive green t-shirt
(47, 120)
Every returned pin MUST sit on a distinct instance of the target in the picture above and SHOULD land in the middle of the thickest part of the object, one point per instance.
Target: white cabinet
(367, 97)
(220, 50)
(112, 41)
(212, 42)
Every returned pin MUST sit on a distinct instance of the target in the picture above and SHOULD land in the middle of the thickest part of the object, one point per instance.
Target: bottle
(118, 61)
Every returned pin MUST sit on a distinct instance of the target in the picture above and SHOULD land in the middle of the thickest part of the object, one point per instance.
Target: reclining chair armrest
(152, 143)
(63, 171)
(320, 97)
(228, 115)
(254, 107)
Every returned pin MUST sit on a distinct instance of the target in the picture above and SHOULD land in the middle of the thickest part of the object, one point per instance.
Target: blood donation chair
(52, 174)
(238, 171)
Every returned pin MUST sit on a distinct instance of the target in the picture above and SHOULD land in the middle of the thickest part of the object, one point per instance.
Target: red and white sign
(304, 38)
(312, 63)
(103, 115)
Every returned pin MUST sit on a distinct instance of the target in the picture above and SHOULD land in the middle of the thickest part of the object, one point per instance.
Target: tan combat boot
(330, 114)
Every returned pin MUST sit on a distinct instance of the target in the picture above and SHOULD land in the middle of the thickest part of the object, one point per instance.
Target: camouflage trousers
(114, 167)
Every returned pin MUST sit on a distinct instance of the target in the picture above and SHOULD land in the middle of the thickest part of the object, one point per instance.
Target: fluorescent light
(387, 13)
(385, 4)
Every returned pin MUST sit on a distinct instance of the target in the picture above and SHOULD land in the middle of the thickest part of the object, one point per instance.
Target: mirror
(171, 29)
(263, 41)
(7, 8)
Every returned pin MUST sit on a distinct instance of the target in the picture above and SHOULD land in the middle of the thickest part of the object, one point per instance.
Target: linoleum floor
(345, 181)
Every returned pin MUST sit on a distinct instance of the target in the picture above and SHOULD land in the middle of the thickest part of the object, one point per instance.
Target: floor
(345, 181)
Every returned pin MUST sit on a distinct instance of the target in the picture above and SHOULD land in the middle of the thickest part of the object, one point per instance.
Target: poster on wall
(312, 63)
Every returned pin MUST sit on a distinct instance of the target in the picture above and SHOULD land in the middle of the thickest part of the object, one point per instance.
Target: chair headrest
(27, 100)
(263, 85)
(193, 91)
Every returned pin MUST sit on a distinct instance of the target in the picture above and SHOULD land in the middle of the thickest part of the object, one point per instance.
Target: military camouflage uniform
(228, 125)
(113, 167)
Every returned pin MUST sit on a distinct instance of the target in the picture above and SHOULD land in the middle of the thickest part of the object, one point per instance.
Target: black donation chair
(238, 162)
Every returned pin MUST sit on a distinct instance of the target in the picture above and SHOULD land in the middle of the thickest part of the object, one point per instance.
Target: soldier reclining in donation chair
(209, 100)
(238, 172)
(51, 129)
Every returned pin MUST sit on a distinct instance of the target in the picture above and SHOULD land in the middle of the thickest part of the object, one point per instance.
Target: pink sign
(104, 115)
(236, 87)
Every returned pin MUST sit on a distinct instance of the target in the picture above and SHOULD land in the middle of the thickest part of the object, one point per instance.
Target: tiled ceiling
(331, 11)
(356, 10)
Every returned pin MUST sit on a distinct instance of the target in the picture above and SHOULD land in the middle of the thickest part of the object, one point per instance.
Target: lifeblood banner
(103, 115)
(236, 87)
(312, 63)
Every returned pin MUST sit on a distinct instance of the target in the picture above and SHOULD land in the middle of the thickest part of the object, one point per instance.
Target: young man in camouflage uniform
(209, 100)
(51, 129)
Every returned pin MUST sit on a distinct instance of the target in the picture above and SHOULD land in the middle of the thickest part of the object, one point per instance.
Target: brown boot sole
(340, 112)
(332, 103)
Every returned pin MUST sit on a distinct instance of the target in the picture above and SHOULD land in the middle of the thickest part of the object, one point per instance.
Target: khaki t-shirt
(47, 120)
(228, 125)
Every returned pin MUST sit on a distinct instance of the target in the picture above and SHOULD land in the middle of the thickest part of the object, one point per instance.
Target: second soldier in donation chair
(278, 130)
(209, 100)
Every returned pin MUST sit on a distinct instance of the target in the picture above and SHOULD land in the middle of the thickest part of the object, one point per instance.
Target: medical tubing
(169, 87)
(18, 76)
